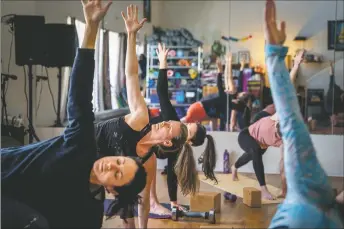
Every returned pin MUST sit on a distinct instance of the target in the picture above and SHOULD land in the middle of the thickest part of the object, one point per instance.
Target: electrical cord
(4, 93)
(30, 126)
(9, 60)
(40, 93)
(51, 93)
(40, 96)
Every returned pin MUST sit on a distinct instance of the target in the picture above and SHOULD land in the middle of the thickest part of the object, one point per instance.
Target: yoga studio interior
(210, 63)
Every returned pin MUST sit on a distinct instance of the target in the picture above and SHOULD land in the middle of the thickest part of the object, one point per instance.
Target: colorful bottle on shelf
(226, 165)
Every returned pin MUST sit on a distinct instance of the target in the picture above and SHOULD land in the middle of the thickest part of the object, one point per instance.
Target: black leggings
(18, 215)
(252, 152)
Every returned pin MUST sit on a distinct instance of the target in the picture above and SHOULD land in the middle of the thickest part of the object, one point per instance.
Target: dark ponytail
(209, 159)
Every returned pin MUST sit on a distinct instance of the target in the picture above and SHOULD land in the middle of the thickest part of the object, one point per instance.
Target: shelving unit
(183, 90)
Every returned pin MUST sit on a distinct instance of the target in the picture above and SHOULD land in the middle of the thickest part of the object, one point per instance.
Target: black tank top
(116, 138)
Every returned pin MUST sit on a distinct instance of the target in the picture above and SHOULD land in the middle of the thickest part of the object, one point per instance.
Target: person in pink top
(254, 140)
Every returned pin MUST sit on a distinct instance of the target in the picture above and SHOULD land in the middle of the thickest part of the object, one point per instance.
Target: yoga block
(252, 197)
(205, 201)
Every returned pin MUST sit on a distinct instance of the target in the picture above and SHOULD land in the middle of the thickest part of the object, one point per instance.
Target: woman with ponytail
(181, 166)
(134, 135)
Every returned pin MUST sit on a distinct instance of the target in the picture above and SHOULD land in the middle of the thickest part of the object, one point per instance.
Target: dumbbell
(229, 196)
(210, 216)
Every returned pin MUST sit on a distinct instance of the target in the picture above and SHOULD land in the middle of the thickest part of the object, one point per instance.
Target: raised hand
(94, 11)
(131, 20)
(162, 55)
(299, 56)
(273, 35)
(230, 87)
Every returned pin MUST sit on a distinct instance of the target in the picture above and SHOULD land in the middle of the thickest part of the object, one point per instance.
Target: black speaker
(59, 45)
(28, 39)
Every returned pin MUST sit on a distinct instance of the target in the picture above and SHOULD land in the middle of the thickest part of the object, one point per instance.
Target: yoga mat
(152, 216)
(236, 187)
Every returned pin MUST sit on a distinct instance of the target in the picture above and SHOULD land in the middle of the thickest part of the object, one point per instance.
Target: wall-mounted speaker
(28, 32)
(59, 45)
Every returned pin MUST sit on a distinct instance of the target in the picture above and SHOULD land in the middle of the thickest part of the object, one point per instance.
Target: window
(80, 28)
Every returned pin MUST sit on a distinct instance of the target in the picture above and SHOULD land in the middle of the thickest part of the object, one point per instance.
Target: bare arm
(233, 120)
(295, 69)
(305, 177)
(230, 87)
(138, 117)
(135, 99)
(144, 206)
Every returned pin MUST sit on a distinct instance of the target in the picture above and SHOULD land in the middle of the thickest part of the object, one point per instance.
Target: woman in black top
(133, 135)
(167, 113)
(58, 183)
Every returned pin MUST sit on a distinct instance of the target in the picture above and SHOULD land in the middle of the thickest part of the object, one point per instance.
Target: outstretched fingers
(135, 13)
(107, 6)
(142, 22)
(282, 26)
(123, 16)
(129, 10)
(166, 52)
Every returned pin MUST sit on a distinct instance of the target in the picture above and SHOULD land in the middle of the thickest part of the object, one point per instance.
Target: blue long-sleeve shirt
(310, 202)
(52, 176)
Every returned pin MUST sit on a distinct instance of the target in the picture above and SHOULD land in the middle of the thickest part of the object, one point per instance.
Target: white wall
(208, 20)
(15, 98)
(329, 152)
(56, 12)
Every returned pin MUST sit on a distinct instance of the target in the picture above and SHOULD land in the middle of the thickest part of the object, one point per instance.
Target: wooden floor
(236, 214)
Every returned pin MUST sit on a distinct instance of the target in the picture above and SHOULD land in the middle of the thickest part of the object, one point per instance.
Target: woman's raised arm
(136, 101)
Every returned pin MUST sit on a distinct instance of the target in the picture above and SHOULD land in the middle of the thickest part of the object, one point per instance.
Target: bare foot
(158, 209)
(234, 173)
(266, 194)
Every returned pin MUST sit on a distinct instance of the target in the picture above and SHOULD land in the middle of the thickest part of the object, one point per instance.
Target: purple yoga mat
(152, 216)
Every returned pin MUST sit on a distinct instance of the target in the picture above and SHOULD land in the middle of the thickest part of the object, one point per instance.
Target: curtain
(109, 78)
(117, 50)
(106, 74)
(98, 80)
(116, 67)
(66, 73)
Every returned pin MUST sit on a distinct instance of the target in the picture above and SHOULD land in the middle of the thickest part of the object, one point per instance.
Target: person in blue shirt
(59, 183)
(310, 201)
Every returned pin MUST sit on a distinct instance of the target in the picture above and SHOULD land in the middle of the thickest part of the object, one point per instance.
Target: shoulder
(137, 121)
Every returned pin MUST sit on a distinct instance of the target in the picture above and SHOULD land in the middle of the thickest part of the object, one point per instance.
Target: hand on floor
(180, 207)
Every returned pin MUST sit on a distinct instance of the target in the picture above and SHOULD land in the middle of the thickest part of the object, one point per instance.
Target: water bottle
(226, 166)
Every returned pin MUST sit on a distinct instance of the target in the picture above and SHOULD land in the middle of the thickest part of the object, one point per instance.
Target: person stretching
(167, 113)
(134, 135)
(59, 183)
(310, 201)
(214, 108)
(255, 140)
(334, 98)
